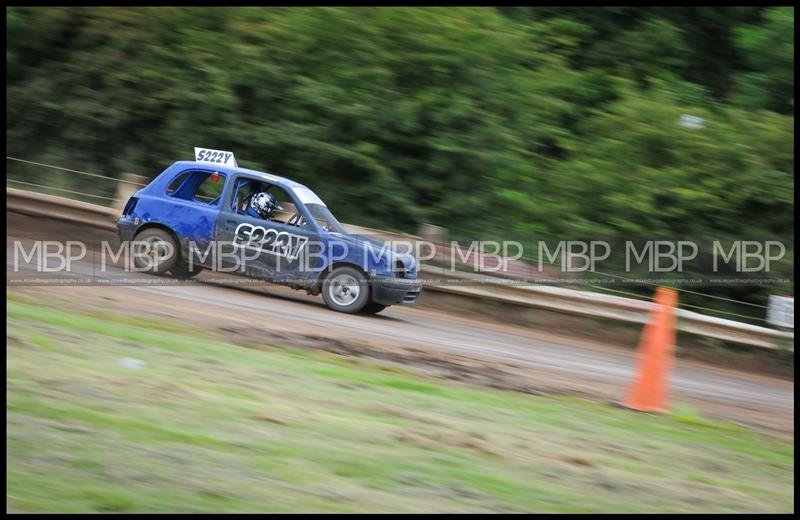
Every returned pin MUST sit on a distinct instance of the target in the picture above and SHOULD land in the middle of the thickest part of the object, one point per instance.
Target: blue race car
(211, 214)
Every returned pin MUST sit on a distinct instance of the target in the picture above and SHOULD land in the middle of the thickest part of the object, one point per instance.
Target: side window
(244, 190)
(288, 209)
(247, 188)
(176, 183)
(210, 188)
(198, 186)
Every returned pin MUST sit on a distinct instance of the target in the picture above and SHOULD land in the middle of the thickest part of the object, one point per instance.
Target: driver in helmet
(261, 205)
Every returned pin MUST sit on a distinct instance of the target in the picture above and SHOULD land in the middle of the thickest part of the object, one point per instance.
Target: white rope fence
(105, 177)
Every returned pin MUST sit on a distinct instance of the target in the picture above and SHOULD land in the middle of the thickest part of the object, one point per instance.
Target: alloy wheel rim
(344, 289)
(157, 252)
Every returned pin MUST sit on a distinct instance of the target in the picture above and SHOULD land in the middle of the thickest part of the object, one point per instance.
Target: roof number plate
(207, 155)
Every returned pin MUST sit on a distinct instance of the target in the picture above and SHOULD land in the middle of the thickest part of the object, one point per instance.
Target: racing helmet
(264, 204)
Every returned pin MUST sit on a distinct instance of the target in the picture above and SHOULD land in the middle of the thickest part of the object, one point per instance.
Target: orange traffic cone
(648, 393)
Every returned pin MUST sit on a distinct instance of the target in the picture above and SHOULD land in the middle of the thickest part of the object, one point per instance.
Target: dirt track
(436, 341)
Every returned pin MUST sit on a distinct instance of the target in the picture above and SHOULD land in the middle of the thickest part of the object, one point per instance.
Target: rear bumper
(395, 291)
(126, 229)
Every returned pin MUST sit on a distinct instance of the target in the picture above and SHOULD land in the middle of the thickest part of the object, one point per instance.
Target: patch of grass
(41, 341)
(204, 425)
(146, 323)
(379, 378)
(687, 415)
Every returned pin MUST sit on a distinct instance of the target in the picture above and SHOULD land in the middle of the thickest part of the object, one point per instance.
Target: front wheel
(345, 289)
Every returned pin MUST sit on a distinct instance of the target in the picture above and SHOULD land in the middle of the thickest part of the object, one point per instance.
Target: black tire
(345, 289)
(373, 308)
(164, 247)
(181, 270)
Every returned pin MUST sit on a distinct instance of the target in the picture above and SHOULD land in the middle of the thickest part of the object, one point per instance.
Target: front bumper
(395, 291)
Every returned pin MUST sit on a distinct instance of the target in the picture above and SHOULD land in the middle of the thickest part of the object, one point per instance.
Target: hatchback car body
(198, 210)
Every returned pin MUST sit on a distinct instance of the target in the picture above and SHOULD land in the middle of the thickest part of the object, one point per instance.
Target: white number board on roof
(207, 155)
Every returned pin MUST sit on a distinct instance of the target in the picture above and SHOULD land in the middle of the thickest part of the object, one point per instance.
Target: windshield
(325, 218)
(307, 196)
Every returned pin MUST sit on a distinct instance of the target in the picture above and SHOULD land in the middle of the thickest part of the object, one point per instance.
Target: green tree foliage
(768, 80)
(532, 121)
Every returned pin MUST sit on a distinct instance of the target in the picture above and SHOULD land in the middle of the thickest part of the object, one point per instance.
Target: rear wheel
(154, 251)
(345, 289)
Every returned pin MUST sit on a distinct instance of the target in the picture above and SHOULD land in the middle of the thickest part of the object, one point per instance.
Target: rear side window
(211, 188)
(176, 183)
(198, 186)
